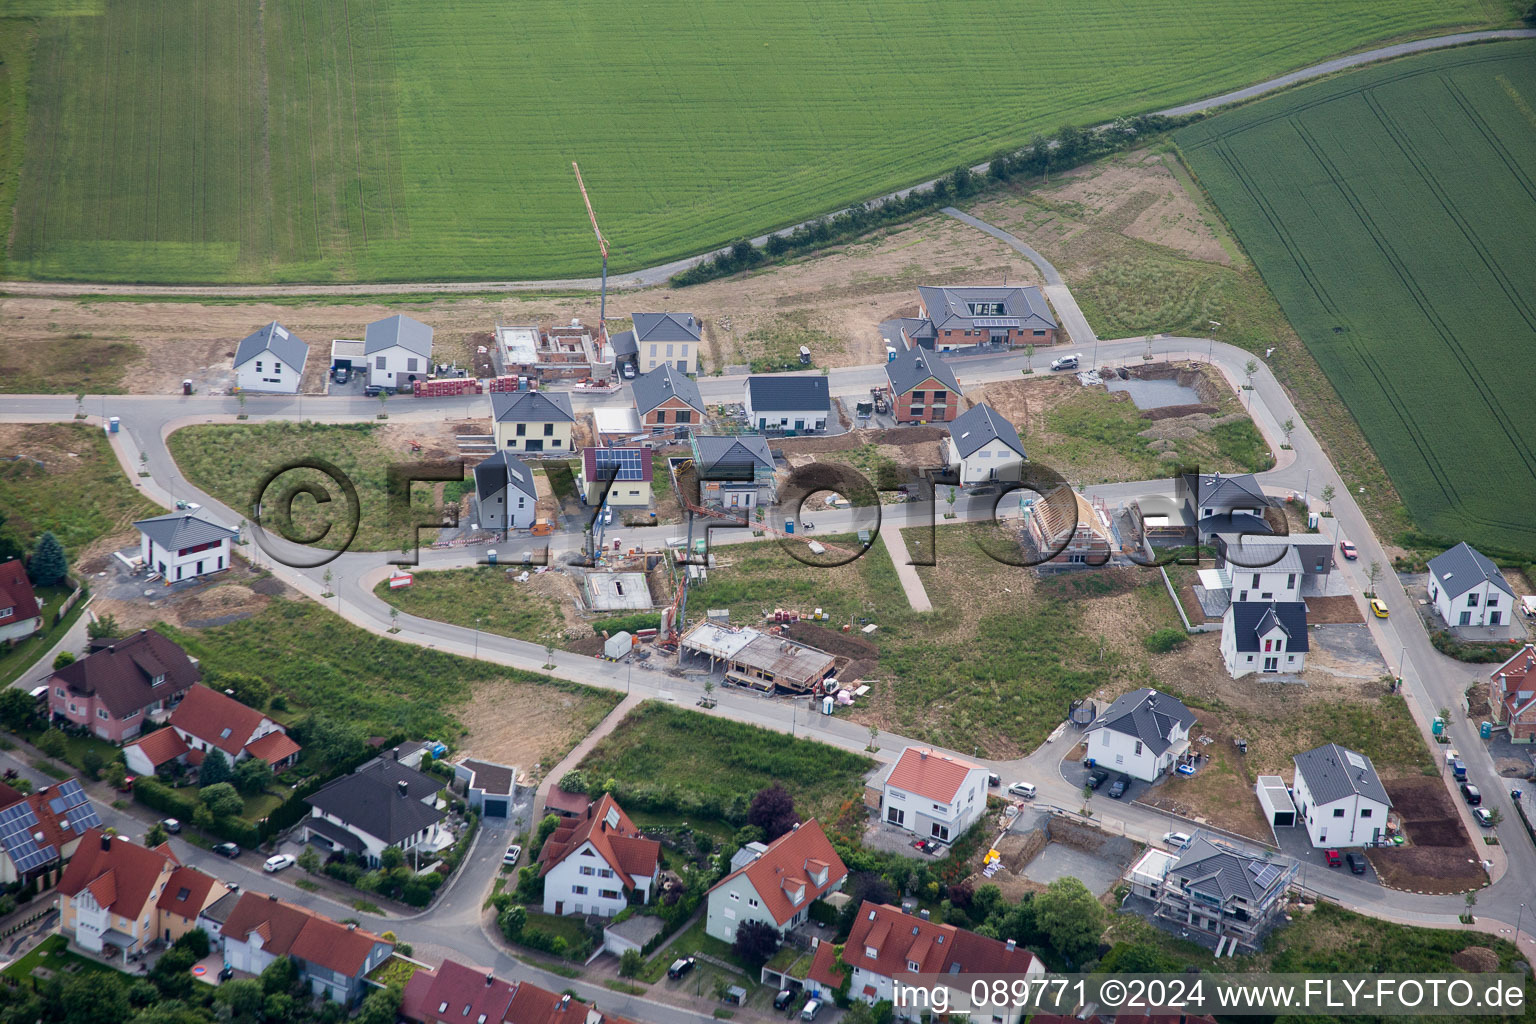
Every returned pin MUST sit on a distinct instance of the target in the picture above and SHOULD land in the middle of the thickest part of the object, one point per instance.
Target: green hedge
(158, 796)
(628, 623)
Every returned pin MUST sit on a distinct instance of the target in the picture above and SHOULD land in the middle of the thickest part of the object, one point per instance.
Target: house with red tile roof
(332, 957)
(1512, 694)
(118, 895)
(887, 945)
(42, 829)
(112, 691)
(778, 884)
(20, 614)
(205, 719)
(933, 795)
(456, 994)
(596, 862)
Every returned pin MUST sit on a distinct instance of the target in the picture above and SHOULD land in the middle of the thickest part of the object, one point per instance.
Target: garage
(347, 355)
(1279, 810)
(496, 807)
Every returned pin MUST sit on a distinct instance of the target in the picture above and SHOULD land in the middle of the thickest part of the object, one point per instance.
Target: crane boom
(602, 243)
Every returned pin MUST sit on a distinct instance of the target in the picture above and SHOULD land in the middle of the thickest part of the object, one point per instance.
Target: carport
(347, 354)
(1279, 809)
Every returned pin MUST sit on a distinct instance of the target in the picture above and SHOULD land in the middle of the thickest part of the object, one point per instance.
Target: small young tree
(115, 774)
(1250, 368)
(52, 743)
(549, 655)
(1289, 426)
(383, 399)
(394, 620)
(155, 836)
(91, 762)
(709, 689)
(1328, 494)
(1372, 574)
(104, 627)
(630, 963)
(327, 578)
(48, 566)
(309, 859)
(874, 738)
(80, 406)
(222, 800)
(1029, 358)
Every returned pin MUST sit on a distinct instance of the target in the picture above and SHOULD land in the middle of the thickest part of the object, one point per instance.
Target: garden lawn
(53, 953)
(16, 659)
(478, 596)
(305, 140)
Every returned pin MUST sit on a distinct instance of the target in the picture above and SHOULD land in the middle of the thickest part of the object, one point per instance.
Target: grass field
(315, 141)
(479, 597)
(1391, 211)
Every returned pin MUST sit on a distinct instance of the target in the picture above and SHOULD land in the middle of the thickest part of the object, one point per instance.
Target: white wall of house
(1483, 605)
(1264, 584)
(1350, 821)
(177, 566)
(585, 883)
(507, 509)
(395, 366)
(1122, 752)
(992, 461)
(781, 419)
(929, 819)
(198, 743)
(21, 628)
(265, 372)
(1272, 655)
(137, 763)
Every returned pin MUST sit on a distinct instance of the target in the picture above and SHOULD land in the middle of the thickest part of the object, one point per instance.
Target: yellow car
(1378, 608)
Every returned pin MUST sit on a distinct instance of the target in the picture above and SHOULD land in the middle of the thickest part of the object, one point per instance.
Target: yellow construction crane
(602, 247)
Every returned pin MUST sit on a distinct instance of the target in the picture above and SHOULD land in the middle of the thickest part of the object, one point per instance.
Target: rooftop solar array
(1264, 875)
(629, 462)
(995, 321)
(18, 828)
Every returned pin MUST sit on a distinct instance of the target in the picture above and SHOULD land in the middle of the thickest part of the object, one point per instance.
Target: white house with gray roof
(1469, 590)
(1340, 797)
(1143, 734)
(398, 351)
(1216, 887)
(271, 359)
(182, 546)
(1264, 636)
(505, 495)
(790, 403)
(984, 446)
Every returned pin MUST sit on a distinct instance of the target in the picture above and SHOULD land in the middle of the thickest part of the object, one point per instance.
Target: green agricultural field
(308, 140)
(1391, 211)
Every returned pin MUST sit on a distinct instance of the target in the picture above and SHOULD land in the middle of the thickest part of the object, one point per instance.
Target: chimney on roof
(352, 927)
(795, 827)
(111, 648)
(396, 753)
(143, 631)
(565, 1001)
(1011, 945)
(922, 755)
(490, 979)
(106, 841)
(923, 914)
(404, 787)
(272, 898)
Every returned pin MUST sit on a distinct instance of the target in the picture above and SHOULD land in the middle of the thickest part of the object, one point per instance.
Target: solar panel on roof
(1264, 875)
(995, 321)
(58, 805)
(627, 461)
(1355, 759)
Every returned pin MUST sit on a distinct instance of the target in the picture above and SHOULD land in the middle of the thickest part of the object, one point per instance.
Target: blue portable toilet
(789, 526)
(1485, 730)
(1437, 727)
(490, 559)
(112, 424)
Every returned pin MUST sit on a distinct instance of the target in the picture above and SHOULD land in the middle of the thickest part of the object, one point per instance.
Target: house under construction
(759, 660)
(1080, 532)
(566, 352)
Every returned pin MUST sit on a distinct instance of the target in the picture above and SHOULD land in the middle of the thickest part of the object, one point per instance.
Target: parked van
(811, 1009)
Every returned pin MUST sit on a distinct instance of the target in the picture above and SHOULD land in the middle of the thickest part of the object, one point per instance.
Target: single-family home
(1067, 530)
(114, 689)
(597, 862)
(121, 895)
(333, 958)
(1340, 797)
(1236, 553)
(20, 615)
(777, 884)
(271, 359)
(39, 830)
(532, 421)
(1216, 503)
(1216, 887)
(381, 805)
(205, 719)
(1264, 636)
(619, 477)
(456, 994)
(488, 787)
(734, 471)
(888, 946)
(983, 447)
(398, 351)
(184, 545)
(790, 404)
(963, 319)
(666, 398)
(1143, 734)
(1274, 573)
(666, 339)
(923, 387)
(933, 795)
(506, 497)
(1512, 695)
(1469, 590)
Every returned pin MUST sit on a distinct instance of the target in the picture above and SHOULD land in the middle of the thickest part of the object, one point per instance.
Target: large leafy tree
(1071, 919)
(215, 769)
(773, 811)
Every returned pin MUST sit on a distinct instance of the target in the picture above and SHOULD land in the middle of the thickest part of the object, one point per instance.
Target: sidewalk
(917, 596)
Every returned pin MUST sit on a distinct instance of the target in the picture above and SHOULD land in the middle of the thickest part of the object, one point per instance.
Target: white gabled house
(506, 497)
(1264, 636)
(1469, 590)
(398, 351)
(592, 863)
(1143, 734)
(777, 884)
(183, 546)
(271, 359)
(933, 795)
(1340, 797)
(984, 446)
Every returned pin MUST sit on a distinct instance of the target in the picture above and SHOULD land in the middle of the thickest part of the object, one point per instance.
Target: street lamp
(477, 638)
(1519, 920)
(1306, 490)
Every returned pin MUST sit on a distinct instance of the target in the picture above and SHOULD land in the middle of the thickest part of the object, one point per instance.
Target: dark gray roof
(336, 834)
(495, 779)
(1252, 619)
(664, 382)
(950, 308)
(740, 450)
(1222, 870)
(176, 530)
(981, 425)
(278, 340)
(369, 800)
(1147, 715)
(915, 365)
(219, 910)
(789, 394)
(501, 471)
(1464, 567)
(531, 407)
(1333, 773)
(916, 328)
(1223, 493)
(398, 330)
(624, 344)
(1233, 523)
(651, 327)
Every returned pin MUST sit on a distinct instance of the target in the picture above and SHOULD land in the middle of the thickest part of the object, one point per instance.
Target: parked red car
(1333, 858)
(1348, 550)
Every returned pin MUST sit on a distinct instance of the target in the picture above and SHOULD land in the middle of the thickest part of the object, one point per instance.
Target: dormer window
(159, 679)
(871, 952)
(912, 966)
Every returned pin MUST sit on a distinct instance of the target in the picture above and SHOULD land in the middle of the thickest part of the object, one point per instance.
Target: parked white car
(1176, 840)
(277, 862)
(514, 852)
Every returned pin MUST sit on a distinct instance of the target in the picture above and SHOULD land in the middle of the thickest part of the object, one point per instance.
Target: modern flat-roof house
(1214, 886)
(734, 471)
(488, 787)
(619, 477)
(381, 805)
(506, 497)
(206, 719)
(1512, 695)
(111, 691)
(532, 421)
(923, 387)
(1143, 734)
(20, 614)
(595, 862)
(1235, 554)
(333, 958)
(120, 896)
(666, 398)
(398, 351)
(40, 830)
(983, 447)
(968, 319)
(777, 885)
(933, 795)
(1065, 530)
(1264, 636)
(1469, 590)
(788, 404)
(662, 339)
(271, 359)
(182, 545)
(1340, 797)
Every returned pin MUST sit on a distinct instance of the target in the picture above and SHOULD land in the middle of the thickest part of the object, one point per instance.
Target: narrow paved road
(652, 276)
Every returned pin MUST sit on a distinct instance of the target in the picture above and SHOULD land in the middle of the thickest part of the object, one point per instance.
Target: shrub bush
(1164, 640)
